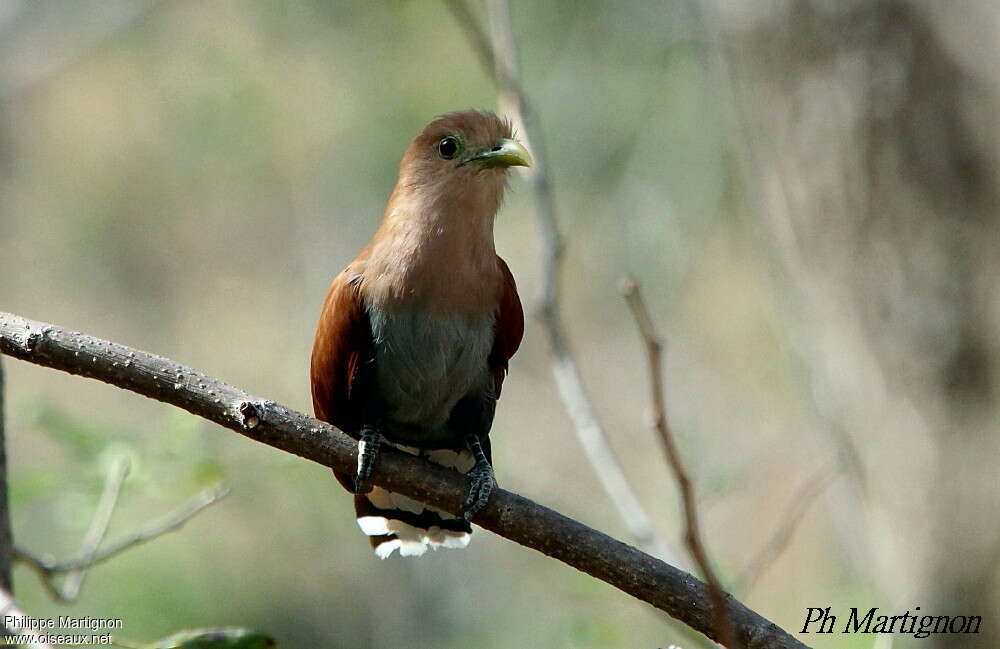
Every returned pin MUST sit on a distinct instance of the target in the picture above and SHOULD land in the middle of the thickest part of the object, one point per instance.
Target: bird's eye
(448, 147)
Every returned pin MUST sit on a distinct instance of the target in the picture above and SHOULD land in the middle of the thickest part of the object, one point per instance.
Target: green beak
(505, 153)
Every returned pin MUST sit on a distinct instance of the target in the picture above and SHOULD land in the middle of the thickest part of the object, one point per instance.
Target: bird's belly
(425, 363)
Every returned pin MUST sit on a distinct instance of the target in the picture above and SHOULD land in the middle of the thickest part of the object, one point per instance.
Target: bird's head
(435, 243)
(462, 153)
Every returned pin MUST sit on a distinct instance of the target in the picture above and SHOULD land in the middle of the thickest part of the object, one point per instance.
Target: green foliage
(75, 434)
(32, 484)
(237, 638)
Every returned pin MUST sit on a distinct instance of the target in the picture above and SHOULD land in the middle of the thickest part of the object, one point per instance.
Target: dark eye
(448, 147)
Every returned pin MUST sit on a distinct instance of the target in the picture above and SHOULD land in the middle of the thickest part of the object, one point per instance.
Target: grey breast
(426, 363)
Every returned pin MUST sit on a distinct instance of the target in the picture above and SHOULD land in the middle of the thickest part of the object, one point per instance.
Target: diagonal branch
(6, 535)
(98, 526)
(91, 554)
(499, 59)
(507, 514)
(772, 550)
(692, 530)
(478, 39)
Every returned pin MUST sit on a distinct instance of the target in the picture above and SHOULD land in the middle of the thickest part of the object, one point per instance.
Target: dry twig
(692, 532)
(6, 536)
(773, 549)
(498, 56)
(98, 526)
(634, 572)
(74, 569)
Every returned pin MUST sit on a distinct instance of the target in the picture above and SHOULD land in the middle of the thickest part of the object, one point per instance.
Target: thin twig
(39, 564)
(98, 526)
(47, 569)
(13, 621)
(773, 549)
(167, 524)
(498, 56)
(477, 37)
(512, 516)
(6, 535)
(70, 588)
(692, 531)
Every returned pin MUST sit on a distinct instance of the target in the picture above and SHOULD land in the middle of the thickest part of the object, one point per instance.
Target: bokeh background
(806, 191)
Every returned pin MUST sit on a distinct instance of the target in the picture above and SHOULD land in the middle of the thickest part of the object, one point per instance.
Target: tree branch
(98, 526)
(159, 528)
(692, 529)
(772, 550)
(6, 534)
(507, 514)
(91, 553)
(499, 59)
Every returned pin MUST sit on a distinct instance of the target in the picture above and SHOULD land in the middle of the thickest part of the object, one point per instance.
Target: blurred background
(806, 191)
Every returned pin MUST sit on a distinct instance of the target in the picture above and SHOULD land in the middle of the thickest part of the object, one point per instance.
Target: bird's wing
(509, 327)
(342, 348)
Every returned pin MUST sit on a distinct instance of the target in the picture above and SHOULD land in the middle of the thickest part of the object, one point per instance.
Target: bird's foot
(368, 447)
(483, 481)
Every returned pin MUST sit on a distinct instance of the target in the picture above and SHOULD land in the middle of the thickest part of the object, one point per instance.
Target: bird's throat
(436, 254)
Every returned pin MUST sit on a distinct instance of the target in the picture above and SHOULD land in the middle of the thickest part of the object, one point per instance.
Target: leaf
(230, 638)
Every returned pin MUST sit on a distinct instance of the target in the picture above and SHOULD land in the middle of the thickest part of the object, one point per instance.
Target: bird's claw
(482, 485)
(362, 486)
(368, 448)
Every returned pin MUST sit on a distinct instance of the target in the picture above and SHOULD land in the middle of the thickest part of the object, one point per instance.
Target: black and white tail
(393, 521)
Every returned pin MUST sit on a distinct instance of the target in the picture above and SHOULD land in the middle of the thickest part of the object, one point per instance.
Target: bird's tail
(393, 521)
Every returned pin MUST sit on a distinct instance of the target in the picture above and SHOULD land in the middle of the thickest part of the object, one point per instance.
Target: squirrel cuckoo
(415, 334)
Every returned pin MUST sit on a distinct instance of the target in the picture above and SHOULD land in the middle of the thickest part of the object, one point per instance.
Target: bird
(416, 333)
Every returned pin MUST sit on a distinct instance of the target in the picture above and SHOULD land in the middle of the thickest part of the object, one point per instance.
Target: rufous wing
(509, 327)
(342, 348)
